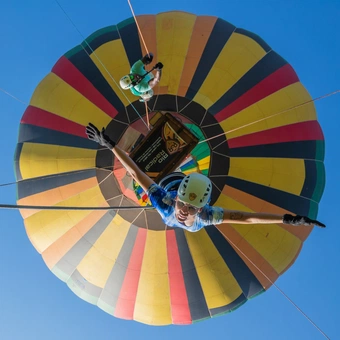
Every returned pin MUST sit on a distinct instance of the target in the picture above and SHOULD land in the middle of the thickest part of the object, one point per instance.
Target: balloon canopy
(261, 146)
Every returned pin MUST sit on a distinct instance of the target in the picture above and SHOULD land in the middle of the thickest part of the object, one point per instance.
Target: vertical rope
(140, 32)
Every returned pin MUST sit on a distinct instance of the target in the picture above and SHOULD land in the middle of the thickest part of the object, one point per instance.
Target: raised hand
(99, 136)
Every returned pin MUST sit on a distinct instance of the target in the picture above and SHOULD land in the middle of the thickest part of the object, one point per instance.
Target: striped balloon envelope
(261, 146)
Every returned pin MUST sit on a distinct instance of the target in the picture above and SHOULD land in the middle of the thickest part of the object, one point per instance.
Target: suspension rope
(139, 30)
(11, 95)
(271, 116)
(46, 207)
(147, 114)
(101, 63)
(278, 288)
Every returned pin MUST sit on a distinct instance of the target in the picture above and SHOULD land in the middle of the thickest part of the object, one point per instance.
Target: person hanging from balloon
(139, 81)
(188, 206)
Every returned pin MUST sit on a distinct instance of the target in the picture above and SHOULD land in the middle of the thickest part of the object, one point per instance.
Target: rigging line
(46, 207)
(271, 116)
(32, 179)
(277, 287)
(147, 115)
(11, 95)
(140, 32)
(101, 63)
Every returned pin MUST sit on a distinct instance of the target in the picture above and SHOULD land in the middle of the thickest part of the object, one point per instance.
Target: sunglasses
(191, 209)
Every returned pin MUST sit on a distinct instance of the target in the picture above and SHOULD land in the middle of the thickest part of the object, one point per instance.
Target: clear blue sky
(34, 304)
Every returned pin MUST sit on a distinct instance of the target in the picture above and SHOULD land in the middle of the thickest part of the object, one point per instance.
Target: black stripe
(218, 38)
(311, 177)
(86, 66)
(70, 261)
(40, 135)
(164, 102)
(270, 63)
(129, 34)
(300, 150)
(115, 280)
(197, 304)
(285, 200)
(37, 185)
(247, 281)
(194, 111)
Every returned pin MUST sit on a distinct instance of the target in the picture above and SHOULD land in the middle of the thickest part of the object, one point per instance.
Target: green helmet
(195, 189)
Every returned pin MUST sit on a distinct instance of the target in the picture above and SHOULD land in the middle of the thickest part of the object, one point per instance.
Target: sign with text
(164, 148)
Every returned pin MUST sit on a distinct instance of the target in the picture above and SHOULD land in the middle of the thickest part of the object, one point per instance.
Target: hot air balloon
(259, 142)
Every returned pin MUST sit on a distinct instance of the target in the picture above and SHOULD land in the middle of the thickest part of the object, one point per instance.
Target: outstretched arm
(104, 140)
(144, 180)
(241, 217)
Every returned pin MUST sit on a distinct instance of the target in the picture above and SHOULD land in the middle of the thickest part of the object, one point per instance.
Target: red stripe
(304, 131)
(45, 119)
(279, 79)
(72, 76)
(178, 296)
(127, 297)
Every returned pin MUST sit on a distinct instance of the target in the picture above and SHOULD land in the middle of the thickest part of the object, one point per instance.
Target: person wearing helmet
(183, 201)
(139, 81)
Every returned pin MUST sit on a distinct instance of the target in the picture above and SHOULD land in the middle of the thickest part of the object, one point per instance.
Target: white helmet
(126, 82)
(195, 189)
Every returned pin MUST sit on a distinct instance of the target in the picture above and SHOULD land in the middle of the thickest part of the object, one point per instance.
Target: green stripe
(321, 181)
(320, 150)
(89, 39)
(313, 210)
(125, 23)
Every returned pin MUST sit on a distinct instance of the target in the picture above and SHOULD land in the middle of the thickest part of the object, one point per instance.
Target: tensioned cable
(11, 95)
(271, 116)
(278, 288)
(140, 32)
(101, 63)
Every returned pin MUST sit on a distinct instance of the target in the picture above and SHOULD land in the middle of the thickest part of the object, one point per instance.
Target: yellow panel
(204, 163)
(153, 296)
(283, 174)
(44, 159)
(237, 57)
(46, 226)
(56, 96)
(284, 99)
(174, 31)
(262, 237)
(116, 64)
(218, 284)
(276, 245)
(97, 265)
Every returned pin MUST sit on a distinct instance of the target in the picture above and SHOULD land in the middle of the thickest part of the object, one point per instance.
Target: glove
(158, 66)
(147, 59)
(301, 220)
(99, 137)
